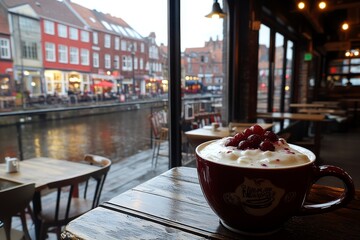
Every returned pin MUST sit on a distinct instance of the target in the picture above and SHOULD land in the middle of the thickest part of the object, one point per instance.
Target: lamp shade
(216, 11)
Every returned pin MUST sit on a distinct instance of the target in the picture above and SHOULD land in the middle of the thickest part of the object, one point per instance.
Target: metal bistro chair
(13, 201)
(74, 197)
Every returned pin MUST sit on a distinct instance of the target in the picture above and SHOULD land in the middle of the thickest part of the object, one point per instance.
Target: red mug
(257, 201)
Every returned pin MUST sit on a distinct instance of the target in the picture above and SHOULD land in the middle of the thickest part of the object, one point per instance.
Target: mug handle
(344, 198)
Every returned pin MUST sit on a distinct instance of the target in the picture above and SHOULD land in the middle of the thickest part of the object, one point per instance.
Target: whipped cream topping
(284, 156)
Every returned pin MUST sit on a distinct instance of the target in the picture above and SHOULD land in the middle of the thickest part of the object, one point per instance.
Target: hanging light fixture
(216, 12)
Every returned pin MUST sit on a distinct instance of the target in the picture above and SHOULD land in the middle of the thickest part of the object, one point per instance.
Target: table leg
(36, 211)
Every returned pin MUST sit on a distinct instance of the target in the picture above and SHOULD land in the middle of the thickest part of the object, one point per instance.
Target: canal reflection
(114, 135)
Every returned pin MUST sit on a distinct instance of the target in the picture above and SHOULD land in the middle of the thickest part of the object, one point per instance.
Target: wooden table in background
(43, 171)
(172, 206)
(200, 135)
(316, 118)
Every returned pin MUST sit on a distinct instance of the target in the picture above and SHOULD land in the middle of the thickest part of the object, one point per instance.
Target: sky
(147, 16)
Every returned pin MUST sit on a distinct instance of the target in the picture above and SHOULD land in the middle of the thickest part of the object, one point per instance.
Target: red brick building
(202, 67)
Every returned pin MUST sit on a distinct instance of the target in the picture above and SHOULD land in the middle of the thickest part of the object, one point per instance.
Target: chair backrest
(69, 190)
(99, 176)
(13, 201)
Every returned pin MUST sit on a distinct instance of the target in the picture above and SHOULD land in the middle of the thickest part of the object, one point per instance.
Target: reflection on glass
(263, 66)
(289, 74)
(278, 73)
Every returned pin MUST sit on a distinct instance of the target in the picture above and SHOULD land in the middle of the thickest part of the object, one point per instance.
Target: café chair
(161, 138)
(14, 201)
(74, 197)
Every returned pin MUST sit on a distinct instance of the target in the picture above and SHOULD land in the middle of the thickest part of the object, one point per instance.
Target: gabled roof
(87, 16)
(117, 25)
(48, 9)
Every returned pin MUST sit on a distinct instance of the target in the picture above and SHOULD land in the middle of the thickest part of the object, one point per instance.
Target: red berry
(240, 137)
(271, 136)
(232, 142)
(247, 132)
(254, 140)
(266, 146)
(257, 129)
(243, 145)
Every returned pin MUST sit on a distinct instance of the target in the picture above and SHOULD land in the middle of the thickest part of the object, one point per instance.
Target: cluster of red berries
(254, 137)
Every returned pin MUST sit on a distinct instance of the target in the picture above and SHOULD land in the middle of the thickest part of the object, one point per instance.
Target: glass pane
(121, 131)
(263, 78)
(289, 74)
(279, 71)
(202, 68)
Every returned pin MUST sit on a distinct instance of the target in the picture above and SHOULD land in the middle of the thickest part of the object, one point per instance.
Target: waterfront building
(51, 48)
(7, 86)
(75, 50)
(203, 67)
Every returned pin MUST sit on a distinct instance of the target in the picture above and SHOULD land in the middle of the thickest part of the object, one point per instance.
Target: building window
(116, 62)
(135, 63)
(127, 63)
(124, 63)
(107, 41)
(84, 36)
(74, 55)
(95, 38)
(50, 52)
(29, 50)
(49, 27)
(123, 45)
(117, 43)
(62, 31)
(142, 47)
(5, 48)
(95, 59)
(74, 34)
(141, 63)
(63, 54)
(107, 61)
(84, 57)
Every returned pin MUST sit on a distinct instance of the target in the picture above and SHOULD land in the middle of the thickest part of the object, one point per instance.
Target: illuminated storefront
(63, 83)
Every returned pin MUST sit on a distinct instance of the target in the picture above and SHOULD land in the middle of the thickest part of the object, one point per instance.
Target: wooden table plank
(173, 203)
(106, 224)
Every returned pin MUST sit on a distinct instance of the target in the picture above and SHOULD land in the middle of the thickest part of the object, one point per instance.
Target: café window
(275, 75)
(344, 72)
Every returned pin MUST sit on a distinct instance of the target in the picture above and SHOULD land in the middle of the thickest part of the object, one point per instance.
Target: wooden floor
(338, 148)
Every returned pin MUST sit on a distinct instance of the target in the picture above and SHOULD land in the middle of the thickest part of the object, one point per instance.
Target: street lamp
(133, 68)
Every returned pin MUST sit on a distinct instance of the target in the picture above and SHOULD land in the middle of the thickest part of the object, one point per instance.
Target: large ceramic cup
(260, 200)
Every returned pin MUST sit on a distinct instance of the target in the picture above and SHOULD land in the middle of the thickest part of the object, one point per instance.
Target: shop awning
(103, 84)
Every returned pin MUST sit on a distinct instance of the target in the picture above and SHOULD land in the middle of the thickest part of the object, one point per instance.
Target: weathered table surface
(172, 206)
(42, 171)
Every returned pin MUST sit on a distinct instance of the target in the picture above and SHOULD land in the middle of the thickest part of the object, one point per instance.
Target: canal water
(114, 135)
